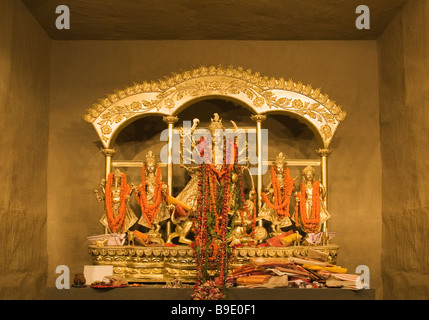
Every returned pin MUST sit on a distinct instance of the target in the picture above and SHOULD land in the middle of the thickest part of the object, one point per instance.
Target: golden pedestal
(163, 264)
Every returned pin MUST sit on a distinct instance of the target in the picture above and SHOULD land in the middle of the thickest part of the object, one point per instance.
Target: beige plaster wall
(85, 71)
(24, 106)
(404, 105)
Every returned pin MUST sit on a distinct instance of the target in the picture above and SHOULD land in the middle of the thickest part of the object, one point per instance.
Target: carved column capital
(170, 119)
(258, 117)
(323, 152)
(108, 152)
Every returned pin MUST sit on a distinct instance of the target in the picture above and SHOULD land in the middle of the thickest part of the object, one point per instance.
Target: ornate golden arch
(262, 95)
(169, 96)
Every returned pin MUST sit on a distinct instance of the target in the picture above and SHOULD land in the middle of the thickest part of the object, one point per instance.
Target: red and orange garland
(150, 211)
(281, 194)
(211, 224)
(116, 224)
(310, 225)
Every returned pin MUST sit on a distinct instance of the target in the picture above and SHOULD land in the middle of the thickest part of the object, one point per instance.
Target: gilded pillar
(108, 154)
(170, 120)
(258, 118)
(323, 153)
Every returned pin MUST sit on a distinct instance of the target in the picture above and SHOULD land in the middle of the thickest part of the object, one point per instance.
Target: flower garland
(310, 225)
(210, 290)
(281, 202)
(214, 246)
(222, 217)
(116, 224)
(150, 211)
(200, 225)
(229, 159)
(211, 226)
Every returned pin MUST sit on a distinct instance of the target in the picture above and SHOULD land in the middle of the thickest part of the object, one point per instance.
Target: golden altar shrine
(165, 264)
(213, 220)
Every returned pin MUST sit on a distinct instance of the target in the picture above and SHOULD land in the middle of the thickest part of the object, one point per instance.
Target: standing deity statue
(310, 210)
(118, 217)
(276, 199)
(152, 197)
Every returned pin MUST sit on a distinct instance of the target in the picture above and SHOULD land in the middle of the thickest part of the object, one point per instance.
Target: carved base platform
(163, 264)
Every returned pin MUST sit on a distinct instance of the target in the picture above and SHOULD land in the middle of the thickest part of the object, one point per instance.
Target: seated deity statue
(118, 216)
(276, 198)
(310, 210)
(152, 198)
(242, 232)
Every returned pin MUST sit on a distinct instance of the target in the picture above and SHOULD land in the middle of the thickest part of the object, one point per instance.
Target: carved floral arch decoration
(260, 94)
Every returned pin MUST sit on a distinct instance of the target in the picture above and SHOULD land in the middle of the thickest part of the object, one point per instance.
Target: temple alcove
(381, 83)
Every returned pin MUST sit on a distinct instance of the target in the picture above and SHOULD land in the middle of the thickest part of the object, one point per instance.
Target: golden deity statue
(183, 222)
(310, 210)
(276, 199)
(190, 192)
(187, 198)
(118, 216)
(243, 225)
(213, 154)
(152, 198)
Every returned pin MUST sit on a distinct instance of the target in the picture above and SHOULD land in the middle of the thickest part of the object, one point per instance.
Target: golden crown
(308, 169)
(150, 158)
(280, 159)
(216, 123)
